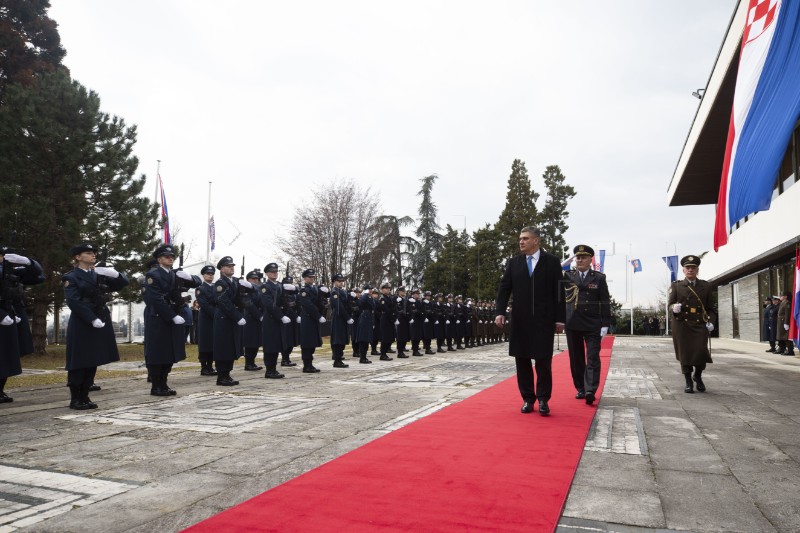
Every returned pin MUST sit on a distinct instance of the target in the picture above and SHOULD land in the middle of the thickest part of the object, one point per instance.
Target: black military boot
(689, 385)
(272, 372)
(287, 362)
(207, 369)
(364, 361)
(701, 387)
(224, 379)
(310, 369)
(250, 364)
(428, 351)
(340, 364)
(4, 398)
(170, 392)
(94, 387)
(84, 395)
(158, 387)
(385, 357)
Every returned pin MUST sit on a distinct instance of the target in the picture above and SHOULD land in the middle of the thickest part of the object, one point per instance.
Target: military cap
(79, 249)
(374, 291)
(438, 295)
(449, 296)
(401, 288)
(458, 297)
(367, 287)
(690, 260)
(776, 297)
(253, 274)
(164, 249)
(271, 267)
(309, 273)
(415, 291)
(386, 285)
(208, 269)
(288, 280)
(226, 261)
(337, 277)
(427, 293)
(356, 289)
(583, 249)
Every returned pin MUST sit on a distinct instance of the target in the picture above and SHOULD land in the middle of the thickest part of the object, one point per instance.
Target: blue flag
(637, 265)
(672, 265)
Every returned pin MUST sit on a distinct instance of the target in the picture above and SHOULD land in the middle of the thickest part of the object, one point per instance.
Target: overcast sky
(269, 99)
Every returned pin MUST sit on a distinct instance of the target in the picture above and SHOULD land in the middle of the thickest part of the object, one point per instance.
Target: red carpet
(478, 465)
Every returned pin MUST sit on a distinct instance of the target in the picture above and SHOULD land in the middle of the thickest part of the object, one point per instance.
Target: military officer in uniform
(229, 321)
(340, 320)
(291, 331)
(206, 297)
(402, 322)
(416, 321)
(90, 334)
(252, 314)
(439, 330)
(388, 314)
(367, 303)
(310, 320)
(274, 320)
(693, 320)
(355, 312)
(15, 334)
(165, 330)
(588, 318)
(427, 321)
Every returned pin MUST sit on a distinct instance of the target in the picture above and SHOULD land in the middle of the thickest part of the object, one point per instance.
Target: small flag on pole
(212, 233)
(637, 265)
(600, 265)
(672, 265)
(164, 212)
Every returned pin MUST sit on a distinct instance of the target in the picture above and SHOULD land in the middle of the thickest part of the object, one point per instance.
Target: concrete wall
(724, 298)
(749, 309)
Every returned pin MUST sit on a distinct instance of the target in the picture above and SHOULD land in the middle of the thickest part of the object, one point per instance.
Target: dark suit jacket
(538, 303)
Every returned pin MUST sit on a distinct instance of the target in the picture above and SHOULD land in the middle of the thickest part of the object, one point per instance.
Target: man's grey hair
(533, 230)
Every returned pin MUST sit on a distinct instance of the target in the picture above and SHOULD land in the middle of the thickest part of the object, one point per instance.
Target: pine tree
(69, 177)
(520, 209)
(427, 232)
(485, 263)
(553, 217)
(450, 273)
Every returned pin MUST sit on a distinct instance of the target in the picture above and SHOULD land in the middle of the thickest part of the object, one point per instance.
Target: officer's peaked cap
(253, 274)
(386, 285)
(80, 248)
(226, 261)
(690, 260)
(583, 249)
(271, 267)
(309, 273)
(208, 269)
(164, 249)
(337, 277)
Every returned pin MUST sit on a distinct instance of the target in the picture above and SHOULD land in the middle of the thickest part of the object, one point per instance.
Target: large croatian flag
(766, 105)
(794, 324)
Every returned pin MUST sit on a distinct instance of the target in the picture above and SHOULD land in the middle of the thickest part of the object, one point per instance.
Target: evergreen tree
(553, 217)
(392, 248)
(427, 232)
(29, 42)
(450, 273)
(520, 209)
(485, 263)
(68, 176)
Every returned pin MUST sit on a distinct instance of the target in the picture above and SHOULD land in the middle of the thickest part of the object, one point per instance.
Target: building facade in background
(758, 260)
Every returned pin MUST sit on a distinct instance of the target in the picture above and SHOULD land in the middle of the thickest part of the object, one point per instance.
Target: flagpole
(158, 172)
(208, 227)
(633, 275)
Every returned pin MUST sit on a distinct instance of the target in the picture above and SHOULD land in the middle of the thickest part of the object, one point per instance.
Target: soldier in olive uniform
(165, 329)
(252, 335)
(784, 317)
(205, 295)
(588, 318)
(693, 320)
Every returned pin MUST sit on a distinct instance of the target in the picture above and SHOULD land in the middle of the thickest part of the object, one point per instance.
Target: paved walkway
(726, 460)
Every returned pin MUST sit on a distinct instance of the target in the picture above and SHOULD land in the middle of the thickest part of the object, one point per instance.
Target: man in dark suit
(588, 318)
(533, 278)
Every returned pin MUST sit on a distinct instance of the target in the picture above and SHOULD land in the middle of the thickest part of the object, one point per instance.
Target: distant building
(759, 257)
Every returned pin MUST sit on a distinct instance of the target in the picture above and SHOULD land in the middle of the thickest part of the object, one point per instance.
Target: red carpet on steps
(478, 465)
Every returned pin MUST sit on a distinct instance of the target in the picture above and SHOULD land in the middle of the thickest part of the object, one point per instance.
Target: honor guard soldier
(251, 301)
(206, 297)
(364, 330)
(91, 340)
(588, 315)
(164, 318)
(427, 322)
(15, 334)
(355, 312)
(439, 330)
(291, 309)
(310, 320)
(340, 320)
(693, 320)
(229, 321)
(388, 314)
(416, 321)
(274, 320)
(376, 325)
(450, 322)
(469, 324)
(402, 321)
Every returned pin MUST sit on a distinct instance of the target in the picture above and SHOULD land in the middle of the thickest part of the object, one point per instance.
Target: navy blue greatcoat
(272, 327)
(207, 298)
(28, 275)
(165, 341)
(309, 317)
(340, 314)
(227, 332)
(365, 324)
(87, 346)
(289, 306)
(253, 313)
(418, 315)
(388, 314)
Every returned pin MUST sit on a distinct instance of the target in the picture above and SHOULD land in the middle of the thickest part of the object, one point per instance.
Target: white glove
(412, 300)
(446, 321)
(426, 301)
(7, 321)
(676, 308)
(352, 294)
(322, 320)
(350, 320)
(17, 320)
(241, 322)
(97, 323)
(244, 283)
(285, 319)
(396, 322)
(710, 327)
(298, 320)
(399, 300)
(458, 322)
(17, 259)
(436, 322)
(411, 321)
(426, 321)
(106, 271)
(183, 275)
(289, 287)
(326, 290)
(785, 326)
(177, 319)
(603, 331)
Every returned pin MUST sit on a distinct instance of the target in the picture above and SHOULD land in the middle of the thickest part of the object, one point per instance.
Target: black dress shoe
(5, 398)
(440, 350)
(311, 369)
(208, 372)
(590, 398)
(429, 352)
(451, 349)
(365, 361)
(226, 381)
(701, 387)
(340, 364)
(253, 367)
(80, 405)
(416, 353)
(172, 392)
(158, 391)
(374, 352)
(544, 409)
(402, 355)
(94, 387)
(288, 363)
(527, 407)
(273, 374)
(581, 395)
(385, 358)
